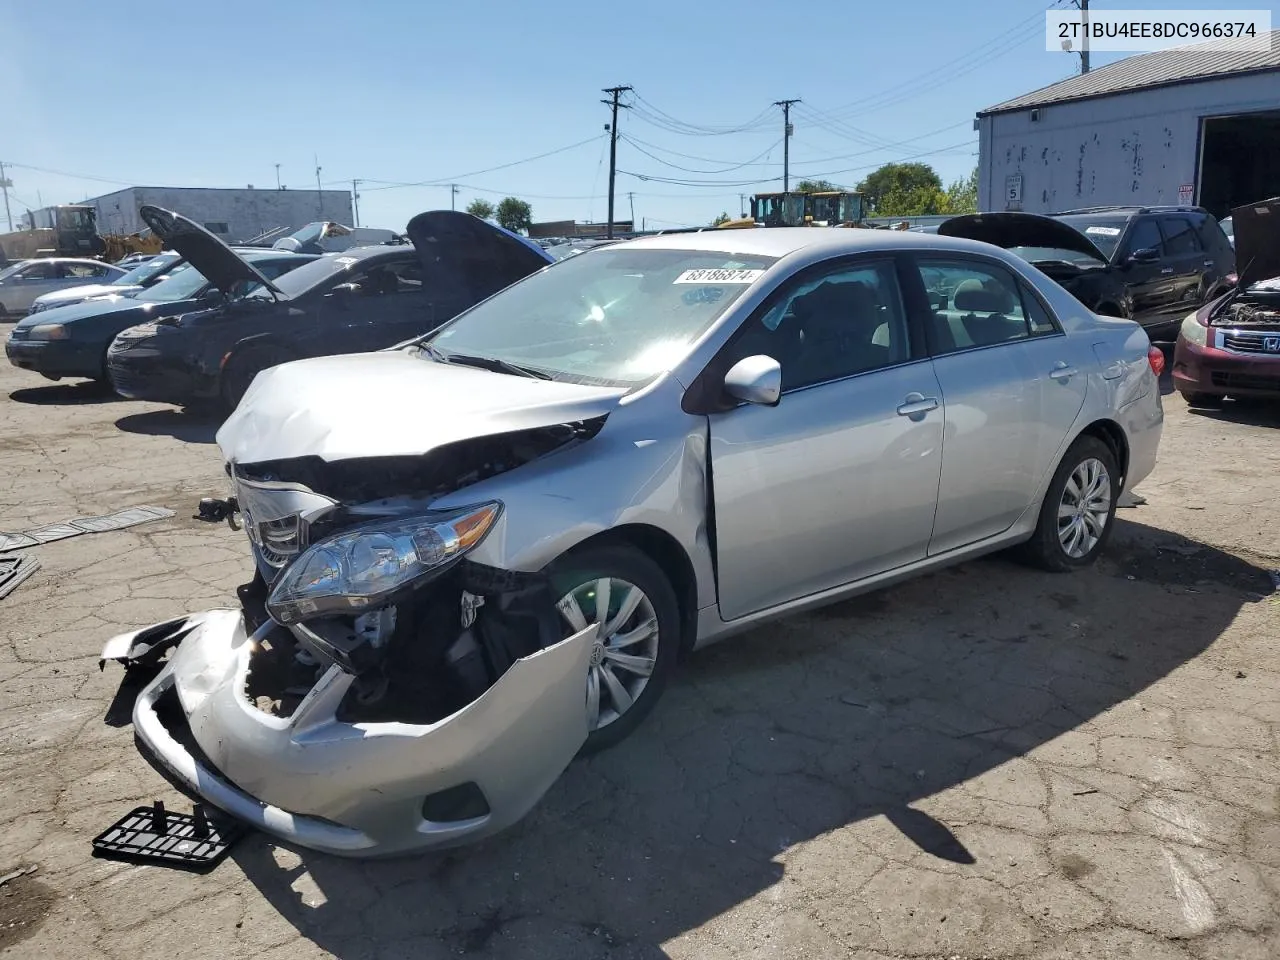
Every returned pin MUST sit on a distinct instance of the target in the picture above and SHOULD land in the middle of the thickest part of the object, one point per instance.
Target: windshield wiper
(484, 363)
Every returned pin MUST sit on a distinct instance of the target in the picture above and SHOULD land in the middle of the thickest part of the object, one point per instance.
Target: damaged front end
(379, 692)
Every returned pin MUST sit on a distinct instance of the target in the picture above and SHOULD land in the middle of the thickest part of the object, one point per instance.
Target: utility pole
(355, 200)
(632, 198)
(277, 176)
(787, 130)
(5, 184)
(319, 192)
(1084, 41)
(453, 196)
(614, 92)
(742, 204)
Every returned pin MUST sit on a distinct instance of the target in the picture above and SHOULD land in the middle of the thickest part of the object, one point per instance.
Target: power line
(646, 111)
(870, 166)
(651, 178)
(445, 181)
(73, 176)
(675, 166)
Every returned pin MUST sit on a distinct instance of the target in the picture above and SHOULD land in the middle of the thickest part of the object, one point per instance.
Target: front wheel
(1078, 510)
(623, 589)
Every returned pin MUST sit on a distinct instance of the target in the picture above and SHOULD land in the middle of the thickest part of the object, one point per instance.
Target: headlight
(361, 568)
(1193, 331)
(47, 331)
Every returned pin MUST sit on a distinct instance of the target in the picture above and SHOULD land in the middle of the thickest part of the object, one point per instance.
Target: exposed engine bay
(442, 639)
(1257, 306)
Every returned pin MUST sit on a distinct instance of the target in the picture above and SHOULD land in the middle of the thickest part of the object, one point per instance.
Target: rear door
(1009, 389)
(1187, 262)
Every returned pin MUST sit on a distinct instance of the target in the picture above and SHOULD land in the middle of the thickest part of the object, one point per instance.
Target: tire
(1046, 548)
(1202, 399)
(243, 367)
(575, 574)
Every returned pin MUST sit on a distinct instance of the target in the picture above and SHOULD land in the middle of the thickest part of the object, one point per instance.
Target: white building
(1186, 126)
(234, 215)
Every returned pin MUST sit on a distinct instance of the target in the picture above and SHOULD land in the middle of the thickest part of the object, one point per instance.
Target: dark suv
(1154, 265)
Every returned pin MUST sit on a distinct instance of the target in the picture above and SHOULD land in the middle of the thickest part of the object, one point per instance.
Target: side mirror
(346, 290)
(212, 295)
(1145, 255)
(755, 379)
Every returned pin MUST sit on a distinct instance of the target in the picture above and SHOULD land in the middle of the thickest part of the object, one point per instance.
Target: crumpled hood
(392, 403)
(1009, 230)
(1257, 230)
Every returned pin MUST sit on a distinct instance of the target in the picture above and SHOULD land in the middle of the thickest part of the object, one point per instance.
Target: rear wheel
(1078, 510)
(636, 650)
(243, 366)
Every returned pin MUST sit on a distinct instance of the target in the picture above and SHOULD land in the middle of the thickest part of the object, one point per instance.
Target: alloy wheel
(1085, 508)
(626, 649)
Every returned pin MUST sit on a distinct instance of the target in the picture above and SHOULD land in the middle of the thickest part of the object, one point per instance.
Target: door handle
(1208, 263)
(1165, 271)
(917, 405)
(1062, 372)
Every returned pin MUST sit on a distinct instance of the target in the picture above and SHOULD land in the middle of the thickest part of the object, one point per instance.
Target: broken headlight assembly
(362, 568)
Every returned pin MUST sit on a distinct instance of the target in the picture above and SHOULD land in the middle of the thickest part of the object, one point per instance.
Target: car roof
(253, 256)
(781, 241)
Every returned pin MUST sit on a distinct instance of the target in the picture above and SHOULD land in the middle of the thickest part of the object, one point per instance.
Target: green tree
(962, 195)
(723, 218)
(514, 214)
(816, 186)
(480, 208)
(896, 189)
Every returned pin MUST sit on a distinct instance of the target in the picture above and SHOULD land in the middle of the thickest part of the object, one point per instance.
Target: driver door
(839, 481)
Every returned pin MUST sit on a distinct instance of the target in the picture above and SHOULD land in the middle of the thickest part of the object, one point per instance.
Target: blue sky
(217, 94)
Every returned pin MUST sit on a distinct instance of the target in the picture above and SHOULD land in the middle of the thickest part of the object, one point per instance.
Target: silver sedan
(22, 282)
(486, 551)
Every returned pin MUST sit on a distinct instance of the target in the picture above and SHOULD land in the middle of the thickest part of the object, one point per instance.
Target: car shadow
(857, 713)
(1250, 412)
(80, 392)
(181, 425)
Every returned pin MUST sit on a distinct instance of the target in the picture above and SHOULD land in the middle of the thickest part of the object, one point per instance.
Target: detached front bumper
(354, 789)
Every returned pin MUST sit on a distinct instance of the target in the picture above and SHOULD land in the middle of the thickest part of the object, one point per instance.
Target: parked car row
(23, 282)
(199, 332)
(485, 548)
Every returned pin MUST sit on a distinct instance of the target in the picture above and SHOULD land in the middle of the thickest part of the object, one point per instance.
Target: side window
(831, 325)
(38, 271)
(80, 271)
(1039, 320)
(276, 268)
(401, 277)
(1179, 238)
(975, 304)
(217, 226)
(1145, 234)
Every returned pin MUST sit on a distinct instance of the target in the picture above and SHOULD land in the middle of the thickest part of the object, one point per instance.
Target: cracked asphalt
(986, 762)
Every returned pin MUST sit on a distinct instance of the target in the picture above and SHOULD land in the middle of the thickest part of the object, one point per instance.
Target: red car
(1231, 347)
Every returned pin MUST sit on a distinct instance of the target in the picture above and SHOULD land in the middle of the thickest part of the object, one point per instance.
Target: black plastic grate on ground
(154, 836)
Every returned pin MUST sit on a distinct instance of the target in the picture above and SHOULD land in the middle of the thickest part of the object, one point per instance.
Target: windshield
(13, 268)
(185, 283)
(1041, 254)
(82, 220)
(146, 272)
(1105, 234)
(617, 318)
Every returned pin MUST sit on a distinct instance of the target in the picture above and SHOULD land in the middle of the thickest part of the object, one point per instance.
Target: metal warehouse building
(234, 215)
(1173, 127)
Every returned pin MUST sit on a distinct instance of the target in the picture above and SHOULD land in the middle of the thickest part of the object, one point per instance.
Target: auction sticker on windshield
(709, 275)
(1103, 231)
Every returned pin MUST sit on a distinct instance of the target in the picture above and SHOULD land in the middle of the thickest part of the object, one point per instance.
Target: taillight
(1155, 357)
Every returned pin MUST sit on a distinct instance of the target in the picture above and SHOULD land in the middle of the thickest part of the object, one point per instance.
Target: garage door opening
(1240, 160)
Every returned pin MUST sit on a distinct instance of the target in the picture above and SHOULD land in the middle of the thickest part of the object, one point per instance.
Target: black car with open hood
(1150, 264)
(359, 300)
